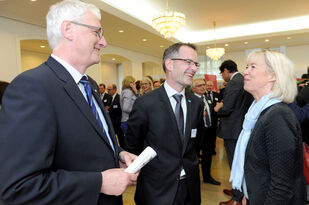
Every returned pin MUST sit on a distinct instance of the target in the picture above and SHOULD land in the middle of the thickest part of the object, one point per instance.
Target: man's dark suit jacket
(273, 167)
(152, 123)
(115, 109)
(236, 102)
(107, 99)
(52, 147)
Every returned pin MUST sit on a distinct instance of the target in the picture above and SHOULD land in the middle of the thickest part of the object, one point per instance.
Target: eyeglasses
(99, 30)
(188, 61)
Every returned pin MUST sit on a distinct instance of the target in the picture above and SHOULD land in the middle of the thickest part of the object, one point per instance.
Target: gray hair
(285, 87)
(67, 10)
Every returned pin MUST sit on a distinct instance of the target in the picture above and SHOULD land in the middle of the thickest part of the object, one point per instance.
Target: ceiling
(256, 17)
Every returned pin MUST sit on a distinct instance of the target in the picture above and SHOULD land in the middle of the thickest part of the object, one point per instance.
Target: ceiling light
(266, 40)
(168, 22)
(215, 53)
(226, 44)
(289, 38)
(42, 46)
(144, 39)
(161, 46)
(121, 31)
(113, 59)
(246, 42)
(33, 0)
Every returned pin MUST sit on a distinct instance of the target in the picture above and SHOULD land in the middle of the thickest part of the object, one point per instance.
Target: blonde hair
(127, 81)
(285, 87)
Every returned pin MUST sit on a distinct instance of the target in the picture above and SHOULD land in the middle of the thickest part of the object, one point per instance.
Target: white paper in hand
(145, 157)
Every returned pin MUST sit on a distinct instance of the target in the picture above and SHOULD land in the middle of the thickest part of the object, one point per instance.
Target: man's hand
(116, 181)
(126, 158)
(218, 106)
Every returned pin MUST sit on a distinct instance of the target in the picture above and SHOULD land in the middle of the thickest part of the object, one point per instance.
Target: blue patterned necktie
(90, 100)
(179, 114)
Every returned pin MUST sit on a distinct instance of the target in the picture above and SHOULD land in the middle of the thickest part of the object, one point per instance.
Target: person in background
(198, 87)
(115, 112)
(146, 85)
(236, 102)
(57, 141)
(168, 119)
(127, 98)
(156, 84)
(214, 98)
(105, 97)
(268, 162)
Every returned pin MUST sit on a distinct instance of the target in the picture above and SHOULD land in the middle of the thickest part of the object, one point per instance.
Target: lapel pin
(189, 100)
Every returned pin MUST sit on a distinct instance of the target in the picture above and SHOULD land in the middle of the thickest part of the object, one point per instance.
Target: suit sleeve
(28, 139)
(281, 139)
(137, 124)
(231, 95)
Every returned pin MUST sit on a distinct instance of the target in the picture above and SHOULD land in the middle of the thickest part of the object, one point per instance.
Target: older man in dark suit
(167, 119)
(236, 102)
(58, 145)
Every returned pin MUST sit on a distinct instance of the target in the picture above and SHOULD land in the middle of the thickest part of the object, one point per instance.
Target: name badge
(216, 99)
(115, 106)
(105, 100)
(193, 133)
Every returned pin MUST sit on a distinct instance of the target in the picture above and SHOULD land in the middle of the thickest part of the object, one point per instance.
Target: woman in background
(146, 85)
(268, 162)
(127, 98)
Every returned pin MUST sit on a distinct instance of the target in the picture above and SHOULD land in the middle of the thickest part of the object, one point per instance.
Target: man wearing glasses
(58, 145)
(168, 119)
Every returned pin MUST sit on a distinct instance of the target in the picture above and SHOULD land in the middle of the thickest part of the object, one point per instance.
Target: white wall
(11, 32)
(298, 54)
(109, 74)
(31, 60)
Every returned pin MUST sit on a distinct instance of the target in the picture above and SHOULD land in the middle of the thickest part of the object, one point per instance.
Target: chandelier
(168, 22)
(215, 53)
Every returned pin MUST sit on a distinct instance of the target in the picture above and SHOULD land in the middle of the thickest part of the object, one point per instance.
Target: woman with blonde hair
(268, 162)
(146, 85)
(127, 98)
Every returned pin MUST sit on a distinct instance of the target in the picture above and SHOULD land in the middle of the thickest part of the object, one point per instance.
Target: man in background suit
(105, 97)
(168, 119)
(198, 87)
(114, 111)
(236, 102)
(58, 145)
(214, 98)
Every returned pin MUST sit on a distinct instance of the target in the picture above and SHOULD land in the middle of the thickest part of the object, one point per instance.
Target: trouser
(182, 195)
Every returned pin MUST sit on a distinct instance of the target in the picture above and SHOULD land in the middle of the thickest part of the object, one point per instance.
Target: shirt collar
(233, 75)
(73, 72)
(171, 91)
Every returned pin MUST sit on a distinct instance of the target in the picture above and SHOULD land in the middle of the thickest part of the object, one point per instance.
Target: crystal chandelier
(168, 22)
(215, 53)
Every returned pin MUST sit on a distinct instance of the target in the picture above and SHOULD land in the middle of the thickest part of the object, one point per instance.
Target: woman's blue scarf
(237, 172)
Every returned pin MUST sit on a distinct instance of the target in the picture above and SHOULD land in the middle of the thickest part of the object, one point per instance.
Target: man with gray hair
(58, 145)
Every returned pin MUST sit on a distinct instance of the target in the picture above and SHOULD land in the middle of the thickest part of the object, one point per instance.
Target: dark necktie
(179, 114)
(209, 95)
(90, 100)
(207, 117)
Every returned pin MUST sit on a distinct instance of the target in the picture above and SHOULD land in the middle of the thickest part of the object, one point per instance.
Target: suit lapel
(167, 108)
(73, 91)
(96, 95)
(188, 120)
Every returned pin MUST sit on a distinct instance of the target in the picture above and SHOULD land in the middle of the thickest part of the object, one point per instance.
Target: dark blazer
(273, 167)
(107, 99)
(236, 102)
(115, 109)
(52, 147)
(152, 123)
